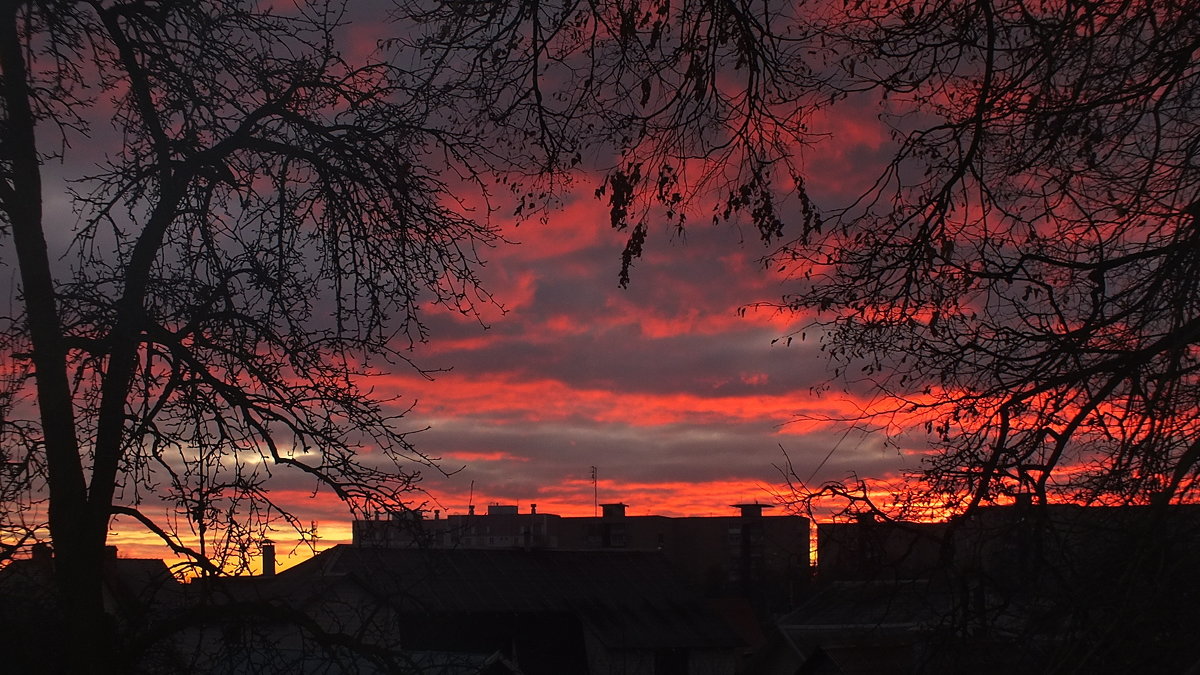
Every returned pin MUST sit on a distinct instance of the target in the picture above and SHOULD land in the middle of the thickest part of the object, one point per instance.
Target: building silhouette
(1025, 587)
(750, 555)
(1017, 588)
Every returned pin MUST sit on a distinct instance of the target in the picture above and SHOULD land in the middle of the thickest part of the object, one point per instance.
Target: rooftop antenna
(471, 500)
(595, 495)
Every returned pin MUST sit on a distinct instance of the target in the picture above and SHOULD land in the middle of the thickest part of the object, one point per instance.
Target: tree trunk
(79, 547)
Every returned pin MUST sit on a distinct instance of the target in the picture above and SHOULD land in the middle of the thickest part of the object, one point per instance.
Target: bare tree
(1021, 279)
(1024, 273)
(258, 220)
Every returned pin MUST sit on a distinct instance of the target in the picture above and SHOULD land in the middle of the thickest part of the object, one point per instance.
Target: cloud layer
(684, 403)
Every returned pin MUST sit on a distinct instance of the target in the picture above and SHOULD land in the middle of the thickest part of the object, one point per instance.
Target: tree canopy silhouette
(1024, 272)
(258, 218)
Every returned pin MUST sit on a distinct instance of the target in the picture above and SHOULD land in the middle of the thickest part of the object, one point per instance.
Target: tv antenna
(595, 495)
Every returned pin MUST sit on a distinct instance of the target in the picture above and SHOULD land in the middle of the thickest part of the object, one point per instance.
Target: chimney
(470, 509)
(533, 509)
(612, 525)
(754, 510)
(268, 558)
(612, 511)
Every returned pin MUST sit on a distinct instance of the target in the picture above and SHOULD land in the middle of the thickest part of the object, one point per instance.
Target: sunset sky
(684, 404)
(682, 395)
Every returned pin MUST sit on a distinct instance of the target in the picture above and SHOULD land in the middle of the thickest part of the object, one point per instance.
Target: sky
(683, 397)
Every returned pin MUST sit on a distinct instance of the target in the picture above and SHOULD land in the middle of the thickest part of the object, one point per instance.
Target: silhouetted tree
(257, 220)
(1023, 275)
(1022, 280)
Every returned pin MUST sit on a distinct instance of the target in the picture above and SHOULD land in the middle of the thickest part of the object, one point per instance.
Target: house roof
(628, 599)
(134, 584)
